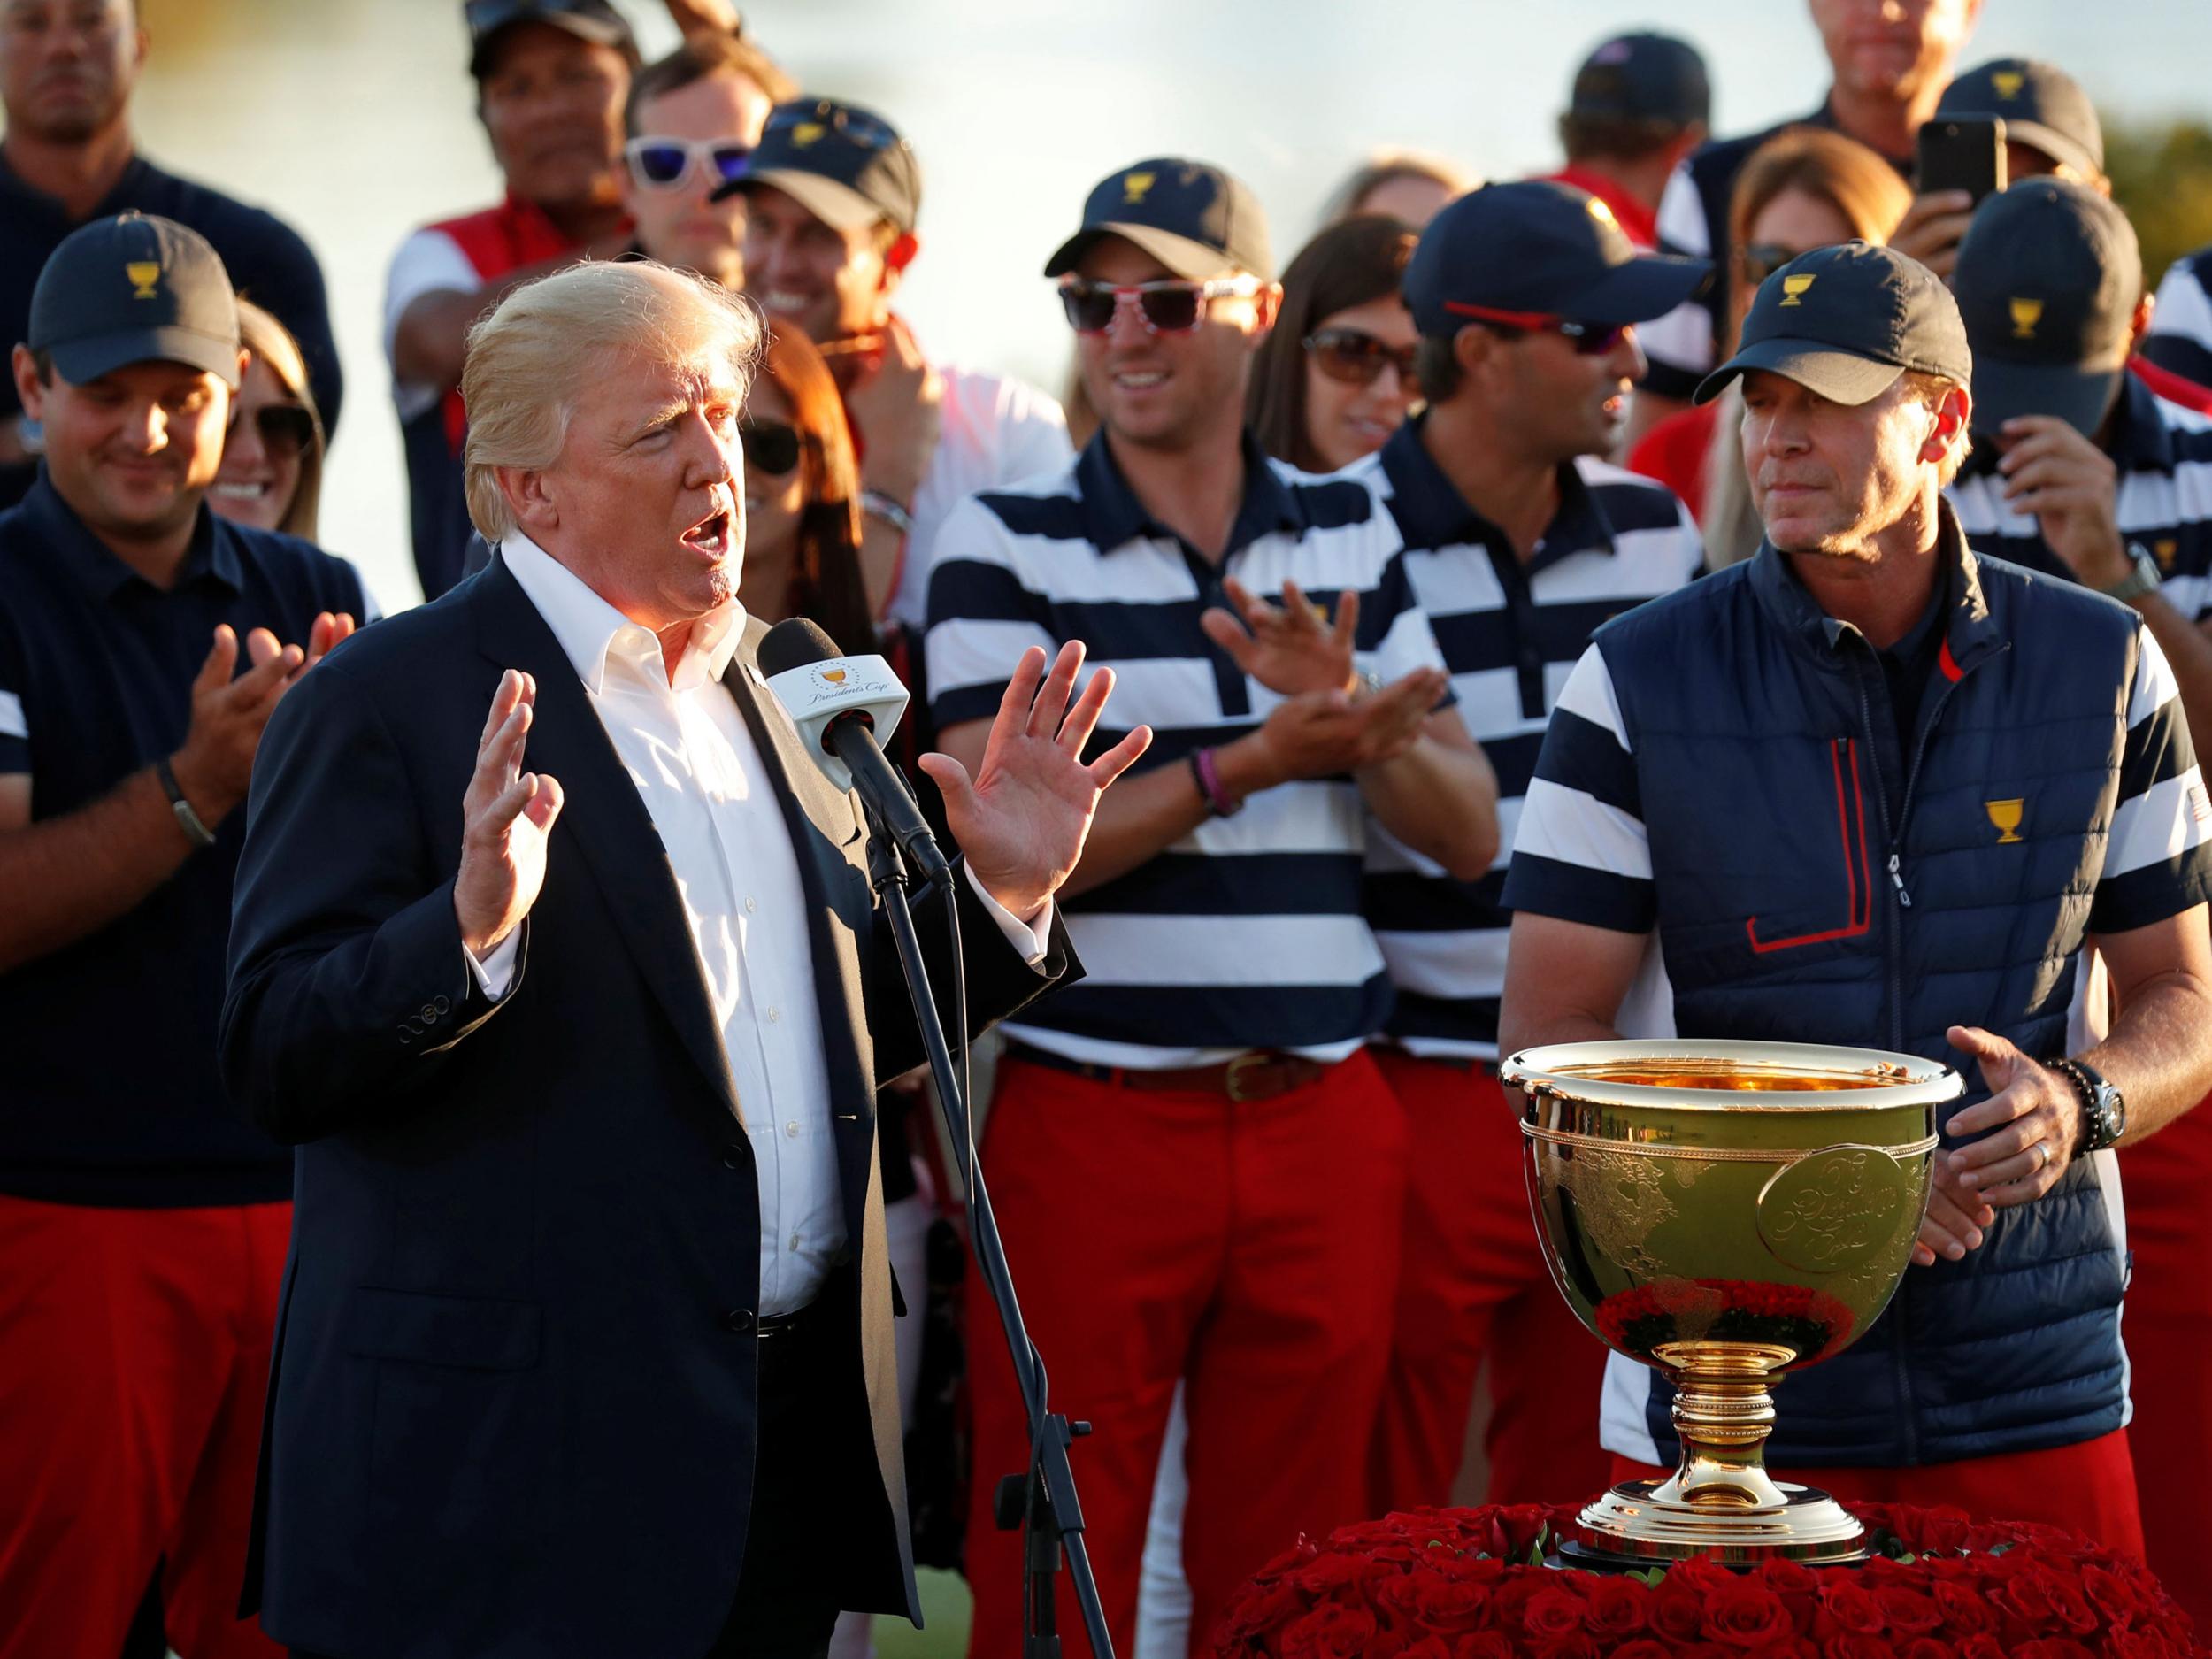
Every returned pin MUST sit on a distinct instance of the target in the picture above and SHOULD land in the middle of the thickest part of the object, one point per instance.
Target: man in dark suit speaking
(586, 1344)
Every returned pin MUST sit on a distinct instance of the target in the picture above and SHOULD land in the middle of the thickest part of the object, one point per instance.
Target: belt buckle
(1232, 1079)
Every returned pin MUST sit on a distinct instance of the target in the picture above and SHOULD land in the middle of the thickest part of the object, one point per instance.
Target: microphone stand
(1042, 1502)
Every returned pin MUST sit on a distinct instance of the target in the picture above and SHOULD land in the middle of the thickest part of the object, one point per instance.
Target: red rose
(2142, 1644)
(2052, 1647)
(2069, 1605)
(1787, 1578)
(1962, 1608)
(1427, 1647)
(1484, 1644)
(1927, 1648)
(1908, 1612)
(1851, 1645)
(1615, 1607)
(1443, 1605)
(1675, 1611)
(1469, 1568)
(1742, 1614)
(2023, 1595)
(1981, 1646)
(1643, 1647)
(1509, 1600)
(1576, 1645)
(1330, 1633)
(1553, 1613)
(1854, 1609)
(2113, 1595)
(1324, 1575)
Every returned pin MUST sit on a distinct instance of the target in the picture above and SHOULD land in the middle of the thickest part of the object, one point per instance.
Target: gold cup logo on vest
(2006, 816)
(143, 274)
(1794, 289)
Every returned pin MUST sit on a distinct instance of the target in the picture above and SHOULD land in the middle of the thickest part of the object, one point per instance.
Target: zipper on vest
(1893, 941)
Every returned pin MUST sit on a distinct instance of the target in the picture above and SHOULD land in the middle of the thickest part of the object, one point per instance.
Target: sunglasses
(1590, 340)
(770, 446)
(1164, 308)
(857, 124)
(285, 428)
(1356, 357)
(664, 163)
(1760, 260)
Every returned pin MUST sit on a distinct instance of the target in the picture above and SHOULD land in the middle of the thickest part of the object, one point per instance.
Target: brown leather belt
(1260, 1075)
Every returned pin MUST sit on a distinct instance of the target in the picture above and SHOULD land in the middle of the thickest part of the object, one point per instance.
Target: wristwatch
(2142, 578)
(2104, 1110)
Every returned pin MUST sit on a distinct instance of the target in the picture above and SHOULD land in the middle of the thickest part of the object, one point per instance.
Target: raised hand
(2029, 1126)
(1325, 733)
(1022, 820)
(505, 817)
(1286, 648)
(896, 405)
(2071, 489)
(215, 764)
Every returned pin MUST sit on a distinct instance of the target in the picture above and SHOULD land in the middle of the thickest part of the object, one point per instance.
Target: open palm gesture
(1022, 820)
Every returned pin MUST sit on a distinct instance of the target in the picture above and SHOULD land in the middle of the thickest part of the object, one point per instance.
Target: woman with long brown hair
(272, 476)
(1335, 377)
(1803, 189)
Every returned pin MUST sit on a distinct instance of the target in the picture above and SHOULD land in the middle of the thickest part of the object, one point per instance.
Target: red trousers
(2087, 1488)
(2168, 1329)
(133, 1361)
(1472, 1281)
(1244, 1247)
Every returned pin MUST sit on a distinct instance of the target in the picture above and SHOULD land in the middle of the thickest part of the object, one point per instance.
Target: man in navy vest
(1869, 788)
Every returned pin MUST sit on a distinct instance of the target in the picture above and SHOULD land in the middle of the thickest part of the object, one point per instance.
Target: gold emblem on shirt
(2006, 816)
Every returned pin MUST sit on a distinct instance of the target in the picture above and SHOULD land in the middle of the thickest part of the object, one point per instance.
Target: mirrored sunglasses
(1357, 358)
(1169, 307)
(664, 163)
(770, 446)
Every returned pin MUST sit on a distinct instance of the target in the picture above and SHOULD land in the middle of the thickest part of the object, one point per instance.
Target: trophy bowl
(1726, 1213)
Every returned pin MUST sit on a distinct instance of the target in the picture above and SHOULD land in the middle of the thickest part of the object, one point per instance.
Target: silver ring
(2042, 1156)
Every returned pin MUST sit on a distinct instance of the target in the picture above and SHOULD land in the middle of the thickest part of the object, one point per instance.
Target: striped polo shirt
(1247, 932)
(1511, 632)
(2180, 337)
(2163, 453)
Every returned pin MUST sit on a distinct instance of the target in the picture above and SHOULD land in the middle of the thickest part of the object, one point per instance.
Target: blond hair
(271, 343)
(529, 361)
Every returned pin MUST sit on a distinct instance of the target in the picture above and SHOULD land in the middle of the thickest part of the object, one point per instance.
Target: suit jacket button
(737, 1321)
(734, 1156)
(405, 1036)
(442, 1006)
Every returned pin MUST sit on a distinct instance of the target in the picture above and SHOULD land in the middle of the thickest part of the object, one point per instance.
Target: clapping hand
(1287, 647)
(215, 764)
(1022, 820)
(505, 817)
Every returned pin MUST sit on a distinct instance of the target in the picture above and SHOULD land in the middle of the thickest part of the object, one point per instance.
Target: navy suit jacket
(511, 1405)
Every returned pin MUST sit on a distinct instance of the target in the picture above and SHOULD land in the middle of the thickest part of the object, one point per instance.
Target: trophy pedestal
(1633, 1527)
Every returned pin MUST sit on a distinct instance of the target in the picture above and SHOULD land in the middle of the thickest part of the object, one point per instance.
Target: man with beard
(67, 71)
(1892, 798)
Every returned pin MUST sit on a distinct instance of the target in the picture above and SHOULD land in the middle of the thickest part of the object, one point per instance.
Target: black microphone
(835, 701)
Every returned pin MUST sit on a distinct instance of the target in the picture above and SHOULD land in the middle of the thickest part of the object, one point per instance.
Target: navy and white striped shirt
(1509, 632)
(1245, 933)
(2164, 455)
(2180, 337)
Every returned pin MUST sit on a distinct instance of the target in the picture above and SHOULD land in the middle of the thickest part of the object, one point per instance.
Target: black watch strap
(188, 820)
(2103, 1114)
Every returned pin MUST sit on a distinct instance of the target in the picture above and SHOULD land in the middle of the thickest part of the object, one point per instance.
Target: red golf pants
(1248, 1248)
(133, 1361)
(1472, 1281)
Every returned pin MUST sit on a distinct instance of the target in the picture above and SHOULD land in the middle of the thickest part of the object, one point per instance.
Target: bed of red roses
(1470, 1584)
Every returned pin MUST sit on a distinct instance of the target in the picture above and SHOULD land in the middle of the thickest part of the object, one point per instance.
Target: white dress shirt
(686, 746)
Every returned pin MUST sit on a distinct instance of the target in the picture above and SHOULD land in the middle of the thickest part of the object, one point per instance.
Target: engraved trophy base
(1634, 1526)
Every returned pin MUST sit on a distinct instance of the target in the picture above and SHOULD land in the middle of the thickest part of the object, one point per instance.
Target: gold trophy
(1726, 1213)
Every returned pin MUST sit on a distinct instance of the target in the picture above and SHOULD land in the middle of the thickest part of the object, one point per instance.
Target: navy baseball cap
(846, 166)
(587, 20)
(1643, 77)
(1846, 321)
(2049, 277)
(1536, 250)
(2041, 106)
(1194, 218)
(134, 289)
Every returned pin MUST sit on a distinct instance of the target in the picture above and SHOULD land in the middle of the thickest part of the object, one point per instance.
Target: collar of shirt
(588, 629)
(1113, 515)
(71, 543)
(132, 188)
(1639, 223)
(1432, 513)
(1968, 632)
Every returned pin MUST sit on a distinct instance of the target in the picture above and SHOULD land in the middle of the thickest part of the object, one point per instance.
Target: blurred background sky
(353, 120)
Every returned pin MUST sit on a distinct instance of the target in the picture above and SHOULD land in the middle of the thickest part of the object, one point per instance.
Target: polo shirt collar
(1432, 513)
(126, 192)
(1969, 632)
(590, 630)
(70, 543)
(1113, 515)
